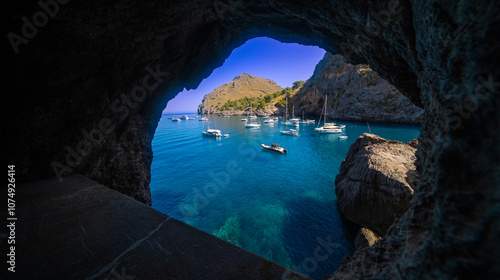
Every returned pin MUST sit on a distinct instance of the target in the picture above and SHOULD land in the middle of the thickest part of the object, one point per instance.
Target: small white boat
(225, 117)
(275, 148)
(343, 135)
(203, 119)
(252, 125)
(244, 120)
(291, 132)
(176, 119)
(265, 117)
(212, 133)
(226, 135)
(185, 117)
(290, 123)
(268, 121)
(275, 119)
(252, 117)
(329, 130)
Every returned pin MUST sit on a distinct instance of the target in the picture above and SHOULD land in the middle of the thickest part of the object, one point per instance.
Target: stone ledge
(79, 229)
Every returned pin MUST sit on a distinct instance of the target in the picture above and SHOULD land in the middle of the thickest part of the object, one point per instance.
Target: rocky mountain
(242, 86)
(355, 92)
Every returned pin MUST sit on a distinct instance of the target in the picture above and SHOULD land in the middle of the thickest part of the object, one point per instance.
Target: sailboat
(304, 121)
(211, 132)
(327, 128)
(250, 117)
(291, 132)
(174, 119)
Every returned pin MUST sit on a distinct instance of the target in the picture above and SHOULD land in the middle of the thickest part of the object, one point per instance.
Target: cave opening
(280, 208)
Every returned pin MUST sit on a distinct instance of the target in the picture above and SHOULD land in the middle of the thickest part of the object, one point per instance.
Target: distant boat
(252, 117)
(203, 119)
(244, 120)
(225, 117)
(265, 117)
(174, 119)
(275, 148)
(269, 121)
(327, 128)
(343, 135)
(291, 132)
(185, 117)
(252, 125)
(192, 118)
(211, 132)
(304, 121)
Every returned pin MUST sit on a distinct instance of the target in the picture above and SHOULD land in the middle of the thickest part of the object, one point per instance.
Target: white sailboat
(211, 132)
(250, 117)
(288, 131)
(327, 128)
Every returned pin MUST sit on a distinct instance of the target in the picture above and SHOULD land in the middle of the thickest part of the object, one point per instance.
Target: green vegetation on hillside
(257, 103)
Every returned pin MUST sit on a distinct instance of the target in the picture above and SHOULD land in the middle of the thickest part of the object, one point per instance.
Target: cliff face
(111, 66)
(244, 85)
(355, 92)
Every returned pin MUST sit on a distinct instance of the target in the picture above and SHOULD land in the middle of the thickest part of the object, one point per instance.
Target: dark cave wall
(88, 89)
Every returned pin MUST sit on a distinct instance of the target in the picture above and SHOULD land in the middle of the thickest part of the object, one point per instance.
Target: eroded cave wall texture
(90, 79)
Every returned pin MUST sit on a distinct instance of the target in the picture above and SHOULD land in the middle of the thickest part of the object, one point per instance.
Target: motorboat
(185, 117)
(225, 117)
(269, 121)
(343, 135)
(203, 119)
(244, 120)
(275, 148)
(176, 119)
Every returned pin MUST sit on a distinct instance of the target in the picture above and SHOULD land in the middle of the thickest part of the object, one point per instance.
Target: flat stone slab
(79, 229)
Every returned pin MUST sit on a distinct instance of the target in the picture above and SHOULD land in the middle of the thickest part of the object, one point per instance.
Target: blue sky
(262, 57)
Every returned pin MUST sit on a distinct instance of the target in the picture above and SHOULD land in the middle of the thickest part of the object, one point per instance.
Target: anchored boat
(275, 148)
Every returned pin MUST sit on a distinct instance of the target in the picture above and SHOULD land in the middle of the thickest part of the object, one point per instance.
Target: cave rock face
(376, 182)
(355, 93)
(113, 65)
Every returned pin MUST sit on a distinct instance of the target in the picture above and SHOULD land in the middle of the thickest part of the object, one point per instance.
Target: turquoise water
(279, 206)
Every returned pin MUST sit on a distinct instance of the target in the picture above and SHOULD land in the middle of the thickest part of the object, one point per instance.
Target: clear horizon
(263, 57)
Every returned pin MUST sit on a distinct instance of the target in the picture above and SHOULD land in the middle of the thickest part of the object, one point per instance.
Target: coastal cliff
(376, 181)
(355, 93)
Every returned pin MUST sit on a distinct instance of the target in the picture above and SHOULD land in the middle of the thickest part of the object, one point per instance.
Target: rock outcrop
(244, 85)
(355, 93)
(111, 66)
(376, 182)
(365, 238)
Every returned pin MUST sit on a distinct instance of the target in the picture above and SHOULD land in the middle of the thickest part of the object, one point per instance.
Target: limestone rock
(365, 238)
(355, 93)
(376, 182)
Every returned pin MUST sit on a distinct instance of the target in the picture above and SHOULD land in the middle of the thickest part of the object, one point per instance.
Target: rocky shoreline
(375, 185)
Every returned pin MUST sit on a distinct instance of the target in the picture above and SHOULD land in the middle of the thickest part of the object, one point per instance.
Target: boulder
(376, 181)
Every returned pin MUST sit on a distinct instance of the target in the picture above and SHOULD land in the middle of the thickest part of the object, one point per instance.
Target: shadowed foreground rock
(376, 182)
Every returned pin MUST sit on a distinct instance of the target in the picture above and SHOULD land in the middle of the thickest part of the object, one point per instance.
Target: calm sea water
(279, 206)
